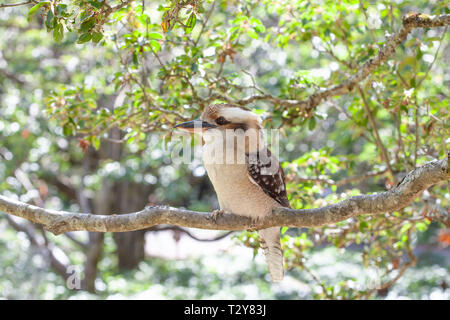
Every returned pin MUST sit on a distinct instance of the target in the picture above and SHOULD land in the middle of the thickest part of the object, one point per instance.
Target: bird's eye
(222, 120)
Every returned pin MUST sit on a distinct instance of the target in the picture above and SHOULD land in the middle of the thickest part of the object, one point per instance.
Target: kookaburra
(247, 178)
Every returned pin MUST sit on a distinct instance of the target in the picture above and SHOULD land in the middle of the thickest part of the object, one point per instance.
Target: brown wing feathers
(270, 179)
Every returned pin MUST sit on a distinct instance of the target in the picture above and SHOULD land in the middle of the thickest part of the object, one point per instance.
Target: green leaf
(154, 35)
(240, 19)
(49, 21)
(404, 238)
(421, 226)
(190, 24)
(363, 225)
(67, 129)
(70, 92)
(257, 25)
(35, 8)
(87, 24)
(58, 32)
(135, 58)
(61, 9)
(97, 36)
(96, 142)
(252, 34)
(85, 37)
(405, 227)
(155, 45)
(311, 123)
(404, 109)
(96, 4)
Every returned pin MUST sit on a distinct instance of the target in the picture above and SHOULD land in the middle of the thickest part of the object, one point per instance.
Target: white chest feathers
(235, 191)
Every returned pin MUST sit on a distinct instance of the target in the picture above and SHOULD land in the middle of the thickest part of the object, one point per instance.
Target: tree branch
(380, 144)
(410, 22)
(57, 265)
(110, 9)
(414, 183)
(189, 234)
(18, 79)
(6, 5)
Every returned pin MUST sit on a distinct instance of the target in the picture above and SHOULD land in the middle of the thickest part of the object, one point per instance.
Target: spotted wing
(265, 171)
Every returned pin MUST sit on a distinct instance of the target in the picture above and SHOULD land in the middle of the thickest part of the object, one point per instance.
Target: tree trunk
(130, 245)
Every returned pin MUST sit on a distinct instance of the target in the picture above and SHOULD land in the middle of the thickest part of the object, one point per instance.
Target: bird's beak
(196, 125)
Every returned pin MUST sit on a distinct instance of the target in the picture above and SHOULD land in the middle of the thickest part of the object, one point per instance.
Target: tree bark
(93, 256)
(412, 185)
(130, 245)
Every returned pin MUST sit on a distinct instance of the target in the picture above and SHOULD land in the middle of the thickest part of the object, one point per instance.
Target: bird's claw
(216, 213)
(254, 224)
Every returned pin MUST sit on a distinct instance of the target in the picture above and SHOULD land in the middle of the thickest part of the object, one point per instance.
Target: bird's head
(223, 117)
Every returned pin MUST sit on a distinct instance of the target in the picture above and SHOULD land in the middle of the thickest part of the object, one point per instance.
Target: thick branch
(110, 9)
(414, 183)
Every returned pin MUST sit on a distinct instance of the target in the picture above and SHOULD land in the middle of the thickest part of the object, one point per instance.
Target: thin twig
(434, 58)
(410, 22)
(204, 23)
(17, 4)
(383, 151)
(190, 234)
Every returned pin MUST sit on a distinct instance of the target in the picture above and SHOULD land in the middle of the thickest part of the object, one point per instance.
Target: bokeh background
(74, 136)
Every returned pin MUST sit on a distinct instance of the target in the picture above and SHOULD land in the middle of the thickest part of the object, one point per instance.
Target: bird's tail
(270, 243)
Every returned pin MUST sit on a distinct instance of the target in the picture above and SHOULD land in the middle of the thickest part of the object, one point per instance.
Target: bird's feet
(254, 224)
(216, 213)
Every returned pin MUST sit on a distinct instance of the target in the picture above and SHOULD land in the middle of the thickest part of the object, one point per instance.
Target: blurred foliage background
(89, 91)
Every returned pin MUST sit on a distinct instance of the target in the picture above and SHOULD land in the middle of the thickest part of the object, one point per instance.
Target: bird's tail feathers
(271, 246)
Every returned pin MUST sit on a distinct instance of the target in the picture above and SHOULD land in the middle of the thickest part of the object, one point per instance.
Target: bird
(246, 176)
